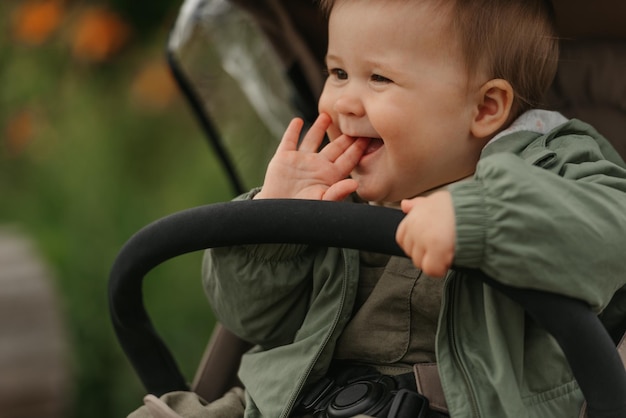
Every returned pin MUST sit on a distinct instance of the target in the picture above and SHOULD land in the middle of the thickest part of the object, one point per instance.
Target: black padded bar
(588, 346)
(218, 225)
(585, 342)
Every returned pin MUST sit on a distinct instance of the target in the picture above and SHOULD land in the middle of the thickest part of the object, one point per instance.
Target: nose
(349, 103)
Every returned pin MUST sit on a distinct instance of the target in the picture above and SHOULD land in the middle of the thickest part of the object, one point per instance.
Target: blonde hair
(515, 40)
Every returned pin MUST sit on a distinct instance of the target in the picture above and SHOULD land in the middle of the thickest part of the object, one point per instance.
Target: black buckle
(374, 394)
(408, 404)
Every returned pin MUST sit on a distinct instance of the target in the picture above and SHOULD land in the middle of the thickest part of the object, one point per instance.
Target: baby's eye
(338, 73)
(377, 78)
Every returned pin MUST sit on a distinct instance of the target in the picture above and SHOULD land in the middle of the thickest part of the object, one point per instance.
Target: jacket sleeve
(555, 223)
(261, 293)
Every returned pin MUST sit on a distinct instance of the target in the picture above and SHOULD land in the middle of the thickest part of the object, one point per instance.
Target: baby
(430, 106)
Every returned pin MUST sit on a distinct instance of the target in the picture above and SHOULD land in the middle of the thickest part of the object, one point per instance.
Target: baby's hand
(305, 173)
(427, 234)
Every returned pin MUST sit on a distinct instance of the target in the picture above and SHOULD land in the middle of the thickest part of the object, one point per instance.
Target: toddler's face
(396, 76)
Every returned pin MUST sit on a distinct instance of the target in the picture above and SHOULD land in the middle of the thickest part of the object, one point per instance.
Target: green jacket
(542, 211)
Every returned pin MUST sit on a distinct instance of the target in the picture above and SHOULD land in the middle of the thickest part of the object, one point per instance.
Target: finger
(340, 190)
(435, 265)
(411, 248)
(333, 150)
(417, 256)
(333, 132)
(407, 204)
(401, 237)
(315, 136)
(349, 159)
(289, 141)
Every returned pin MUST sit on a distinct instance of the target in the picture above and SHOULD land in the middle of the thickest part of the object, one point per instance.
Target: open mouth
(374, 145)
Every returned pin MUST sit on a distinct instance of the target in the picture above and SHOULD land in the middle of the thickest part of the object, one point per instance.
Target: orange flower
(99, 35)
(19, 132)
(154, 87)
(34, 21)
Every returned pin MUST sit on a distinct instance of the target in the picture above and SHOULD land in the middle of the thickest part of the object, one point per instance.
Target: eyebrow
(372, 63)
(379, 64)
(331, 57)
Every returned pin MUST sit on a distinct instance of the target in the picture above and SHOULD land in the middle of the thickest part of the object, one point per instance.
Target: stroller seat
(589, 85)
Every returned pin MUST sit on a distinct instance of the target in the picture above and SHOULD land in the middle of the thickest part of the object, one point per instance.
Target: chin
(381, 199)
(370, 196)
(373, 187)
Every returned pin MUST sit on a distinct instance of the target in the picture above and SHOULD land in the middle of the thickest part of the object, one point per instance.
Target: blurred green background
(96, 142)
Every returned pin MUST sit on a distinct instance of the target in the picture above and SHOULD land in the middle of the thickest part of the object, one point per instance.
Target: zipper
(453, 289)
(290, 405)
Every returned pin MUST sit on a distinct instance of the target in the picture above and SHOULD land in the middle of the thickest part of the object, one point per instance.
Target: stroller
(282, 44)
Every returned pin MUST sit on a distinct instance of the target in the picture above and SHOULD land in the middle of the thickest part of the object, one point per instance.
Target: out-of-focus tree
(145, 16)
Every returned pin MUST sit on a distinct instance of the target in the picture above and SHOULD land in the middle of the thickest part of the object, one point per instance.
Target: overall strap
(429, 385)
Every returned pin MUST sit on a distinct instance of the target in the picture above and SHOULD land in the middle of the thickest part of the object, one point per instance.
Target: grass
(93, 168)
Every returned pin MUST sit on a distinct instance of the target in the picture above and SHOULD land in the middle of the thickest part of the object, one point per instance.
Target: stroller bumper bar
(587, 345)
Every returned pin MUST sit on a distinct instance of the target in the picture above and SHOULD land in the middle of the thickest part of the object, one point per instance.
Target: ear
(493, 109)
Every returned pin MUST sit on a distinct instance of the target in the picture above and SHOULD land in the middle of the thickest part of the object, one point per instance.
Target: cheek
(391, 123)
(325, 103)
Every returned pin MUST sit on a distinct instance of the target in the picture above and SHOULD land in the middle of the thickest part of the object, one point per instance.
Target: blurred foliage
(95, 143)
(145, 16)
